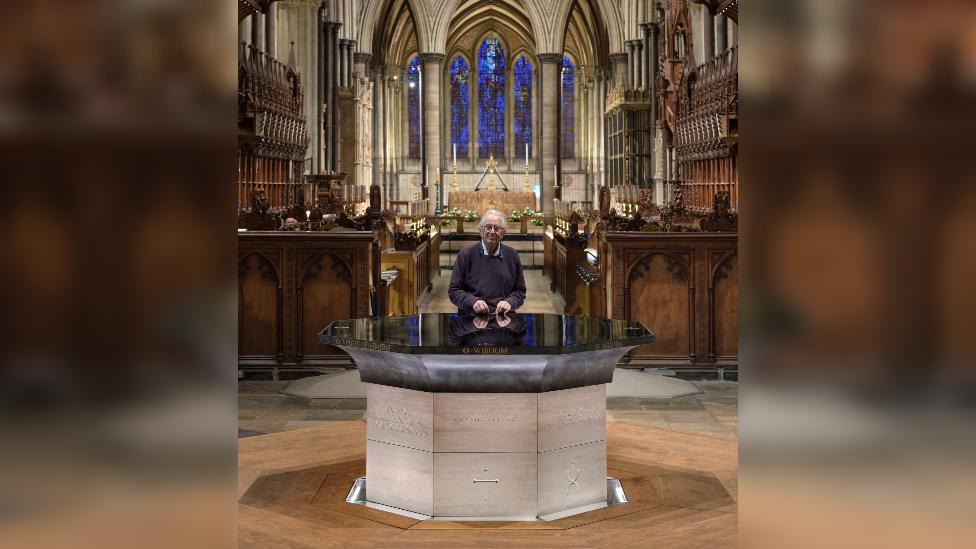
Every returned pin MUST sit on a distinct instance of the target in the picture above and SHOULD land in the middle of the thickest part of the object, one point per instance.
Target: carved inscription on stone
(576, 416)
(496, 422)
(486, 417)
(400, 416)
(399, 420)
(572, 416)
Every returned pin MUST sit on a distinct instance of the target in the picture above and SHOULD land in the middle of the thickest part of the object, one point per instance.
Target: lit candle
(455, 154)
(526, 154)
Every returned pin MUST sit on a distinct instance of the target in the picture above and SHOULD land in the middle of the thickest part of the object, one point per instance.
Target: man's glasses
(492, 228)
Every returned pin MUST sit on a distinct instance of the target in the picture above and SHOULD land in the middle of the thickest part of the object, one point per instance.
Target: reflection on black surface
(530, 332)
(480, 331)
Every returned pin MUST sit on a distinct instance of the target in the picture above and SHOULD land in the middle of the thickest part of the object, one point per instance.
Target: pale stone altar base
(511, 456)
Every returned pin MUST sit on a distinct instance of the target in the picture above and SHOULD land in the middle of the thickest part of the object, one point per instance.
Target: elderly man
(487, 276)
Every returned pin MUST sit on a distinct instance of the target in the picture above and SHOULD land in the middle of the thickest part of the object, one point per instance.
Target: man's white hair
(494, 212)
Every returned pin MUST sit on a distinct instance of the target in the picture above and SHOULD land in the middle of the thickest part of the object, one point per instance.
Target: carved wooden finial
(292, 57)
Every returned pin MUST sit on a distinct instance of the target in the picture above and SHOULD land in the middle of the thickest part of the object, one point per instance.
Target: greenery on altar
(516, 215)
(468, 215)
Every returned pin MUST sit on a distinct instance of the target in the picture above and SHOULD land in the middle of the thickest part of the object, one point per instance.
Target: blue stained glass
(523, 106)
(413, 108)
(459, 105)
(568, 118)
(491, 98)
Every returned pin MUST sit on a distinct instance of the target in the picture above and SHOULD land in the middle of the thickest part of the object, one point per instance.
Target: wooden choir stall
(667, 267)
(294, 278)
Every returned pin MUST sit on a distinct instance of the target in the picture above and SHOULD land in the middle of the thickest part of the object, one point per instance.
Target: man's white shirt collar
(484, 249)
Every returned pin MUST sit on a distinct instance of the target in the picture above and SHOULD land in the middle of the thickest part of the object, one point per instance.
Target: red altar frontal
(479, 201)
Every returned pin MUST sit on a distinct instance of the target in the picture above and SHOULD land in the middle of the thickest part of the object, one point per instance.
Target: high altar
(479, 201)
(492, 417)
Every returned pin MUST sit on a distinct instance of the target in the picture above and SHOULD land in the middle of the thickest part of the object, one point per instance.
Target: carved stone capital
(618, 57)
(550, 57)
(432, 57)
(361, 57)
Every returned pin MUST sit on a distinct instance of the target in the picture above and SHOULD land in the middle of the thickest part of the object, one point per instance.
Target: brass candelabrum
(526, 187)
(454, 185)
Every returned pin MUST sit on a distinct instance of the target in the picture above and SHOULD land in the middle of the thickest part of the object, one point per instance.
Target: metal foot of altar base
(615, 496)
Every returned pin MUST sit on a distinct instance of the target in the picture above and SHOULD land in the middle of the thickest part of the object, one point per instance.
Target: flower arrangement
(467, 215)
(517, 215)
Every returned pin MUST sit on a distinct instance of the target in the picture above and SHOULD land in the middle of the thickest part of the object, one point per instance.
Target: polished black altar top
(516, 333)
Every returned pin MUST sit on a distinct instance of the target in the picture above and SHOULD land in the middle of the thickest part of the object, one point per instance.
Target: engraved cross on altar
(486, 479)
(573, 477)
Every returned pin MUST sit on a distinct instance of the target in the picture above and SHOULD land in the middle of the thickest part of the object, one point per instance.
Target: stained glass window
(523, 106)
(491, 98)
(459, 105)
(568, 119)
(413, 108)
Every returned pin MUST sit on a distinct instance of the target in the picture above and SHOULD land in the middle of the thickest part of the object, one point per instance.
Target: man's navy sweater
(493, 278)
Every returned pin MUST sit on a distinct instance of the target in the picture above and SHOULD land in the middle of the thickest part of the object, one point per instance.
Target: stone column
(618, 63)
(721, 34)
(271, 29)
(328, 83)
(346, 64)
(551, 65)
(595, 135)
(708, 25)
(349, 62)
(244, 30)
(361, 61)
(631, 63)
(431, 98)
(334, 97)
(640, 71)
(389, 143)
(650, 55)
(603, 79)
(379, 128)
(535, 149)
(650, 40)
(322, 98)
(257, 30)
(341, 70)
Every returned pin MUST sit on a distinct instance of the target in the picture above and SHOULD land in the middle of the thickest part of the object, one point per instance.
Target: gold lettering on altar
(485, 350)
(361, 344)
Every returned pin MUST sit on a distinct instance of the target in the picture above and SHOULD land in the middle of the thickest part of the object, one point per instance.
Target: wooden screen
(657, 296)
(259, 303)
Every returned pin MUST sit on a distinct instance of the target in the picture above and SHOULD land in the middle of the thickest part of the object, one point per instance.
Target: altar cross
(486, 479)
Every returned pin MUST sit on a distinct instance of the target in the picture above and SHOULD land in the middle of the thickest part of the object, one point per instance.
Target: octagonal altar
(486, 417)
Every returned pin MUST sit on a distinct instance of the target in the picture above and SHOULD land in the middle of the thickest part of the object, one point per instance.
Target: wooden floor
(682, 489)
